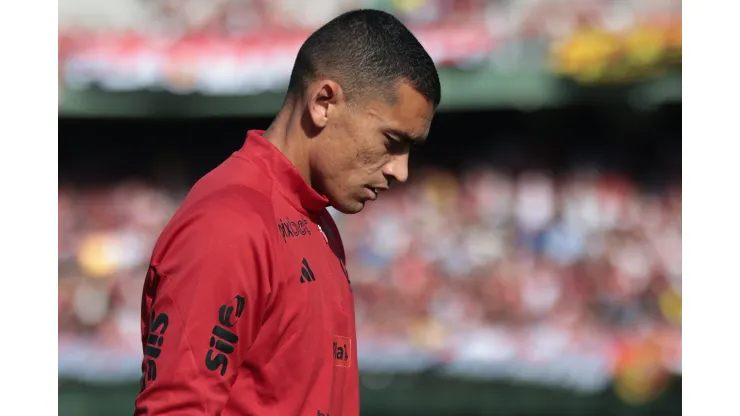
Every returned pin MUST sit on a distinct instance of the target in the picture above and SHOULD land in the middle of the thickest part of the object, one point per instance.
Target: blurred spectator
(529, 266)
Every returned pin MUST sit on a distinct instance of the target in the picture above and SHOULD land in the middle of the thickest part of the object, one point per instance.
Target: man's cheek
(381, 161)
(367, 160)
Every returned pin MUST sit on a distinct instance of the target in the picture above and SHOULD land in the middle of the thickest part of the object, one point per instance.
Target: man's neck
(286, 134)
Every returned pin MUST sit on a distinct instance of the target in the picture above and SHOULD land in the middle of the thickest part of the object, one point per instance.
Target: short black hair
(367, 52)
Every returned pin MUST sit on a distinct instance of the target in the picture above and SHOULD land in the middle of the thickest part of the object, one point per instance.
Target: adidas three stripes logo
(306, 273)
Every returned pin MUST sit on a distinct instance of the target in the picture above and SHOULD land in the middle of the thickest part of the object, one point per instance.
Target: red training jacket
(247, 307)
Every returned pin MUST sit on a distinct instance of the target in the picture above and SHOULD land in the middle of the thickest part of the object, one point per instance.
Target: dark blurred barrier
(417, 395)
(463, 90)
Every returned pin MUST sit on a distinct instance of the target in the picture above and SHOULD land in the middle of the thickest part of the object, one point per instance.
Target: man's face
(362, 149)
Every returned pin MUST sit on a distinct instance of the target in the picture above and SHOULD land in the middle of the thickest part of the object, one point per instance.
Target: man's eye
(395, 146)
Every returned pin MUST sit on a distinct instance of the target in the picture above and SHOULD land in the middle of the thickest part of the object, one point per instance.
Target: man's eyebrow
(406, 137)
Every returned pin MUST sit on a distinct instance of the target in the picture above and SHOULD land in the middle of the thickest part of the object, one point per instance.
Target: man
(247, 307)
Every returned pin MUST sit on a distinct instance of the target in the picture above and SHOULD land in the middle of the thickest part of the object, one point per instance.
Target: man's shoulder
(233, 202)
(230, 209)
(234, 187)
(241, 199)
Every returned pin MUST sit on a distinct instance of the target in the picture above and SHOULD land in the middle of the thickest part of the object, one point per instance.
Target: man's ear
(325, 96)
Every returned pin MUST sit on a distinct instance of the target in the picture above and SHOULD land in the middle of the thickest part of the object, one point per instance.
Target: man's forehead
(410, 116)
(411, 128)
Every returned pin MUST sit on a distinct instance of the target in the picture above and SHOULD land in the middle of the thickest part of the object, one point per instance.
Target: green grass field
(415, 395)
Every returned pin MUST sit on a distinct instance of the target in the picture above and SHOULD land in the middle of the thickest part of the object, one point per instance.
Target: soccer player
(247, 308)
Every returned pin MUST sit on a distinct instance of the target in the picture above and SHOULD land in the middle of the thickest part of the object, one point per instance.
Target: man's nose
(397, 168)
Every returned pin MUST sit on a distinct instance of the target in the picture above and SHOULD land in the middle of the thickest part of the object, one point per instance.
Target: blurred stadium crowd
(206, 45)
(480, 268)
(238, 17)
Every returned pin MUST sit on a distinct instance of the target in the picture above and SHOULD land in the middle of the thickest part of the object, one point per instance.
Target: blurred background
(532, 264)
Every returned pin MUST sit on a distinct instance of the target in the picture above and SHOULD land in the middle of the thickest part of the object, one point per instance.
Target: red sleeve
(201, 309)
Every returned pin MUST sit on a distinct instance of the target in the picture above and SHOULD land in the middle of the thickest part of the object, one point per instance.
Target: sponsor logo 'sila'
(158, 324)
(223, 341)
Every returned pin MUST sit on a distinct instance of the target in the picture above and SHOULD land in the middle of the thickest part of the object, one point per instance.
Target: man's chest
(308, 332)
(312, 265)
(311, 300)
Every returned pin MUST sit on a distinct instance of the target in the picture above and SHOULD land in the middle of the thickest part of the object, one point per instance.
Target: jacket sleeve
(202, 307)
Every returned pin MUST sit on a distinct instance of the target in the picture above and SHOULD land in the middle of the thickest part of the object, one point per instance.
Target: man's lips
(373, 191)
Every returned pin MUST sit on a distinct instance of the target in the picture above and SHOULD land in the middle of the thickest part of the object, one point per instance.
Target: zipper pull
(323, 234)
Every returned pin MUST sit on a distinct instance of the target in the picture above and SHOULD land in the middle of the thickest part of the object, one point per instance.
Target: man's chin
(352, 207)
